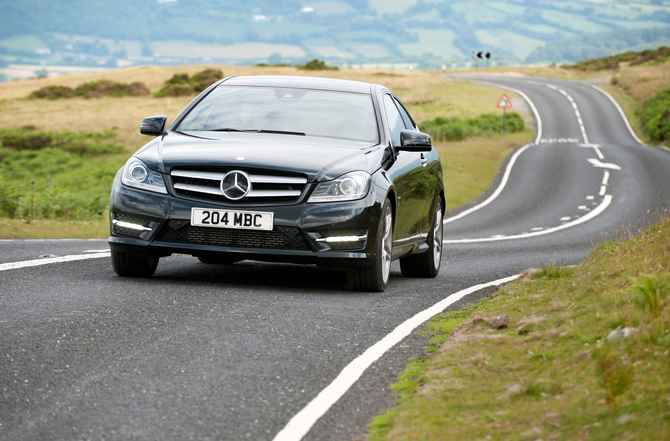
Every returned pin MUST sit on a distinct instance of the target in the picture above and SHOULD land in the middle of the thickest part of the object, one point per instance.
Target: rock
(499, 322)
(620, 334)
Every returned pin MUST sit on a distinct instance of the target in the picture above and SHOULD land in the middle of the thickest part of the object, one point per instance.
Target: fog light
(333, 239)
(128, 225)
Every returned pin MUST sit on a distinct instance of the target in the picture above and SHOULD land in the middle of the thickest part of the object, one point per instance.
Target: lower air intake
(280, 238)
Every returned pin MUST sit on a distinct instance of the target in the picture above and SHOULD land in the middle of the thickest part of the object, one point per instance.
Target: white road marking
(579, 116)
(582, 207)
(559, 140)
(96, 251)
(537, 229)
(606, 177)
(590, 198)
(496, 193)
(304, 420)
(599, 164)
(565, 218)
(38, 262)
(603, 190)
(621, 112)
(508, 169)
(607, 200)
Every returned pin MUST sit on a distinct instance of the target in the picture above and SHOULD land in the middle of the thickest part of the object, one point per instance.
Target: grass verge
(558, 371)
(470, 166)
(53, 229)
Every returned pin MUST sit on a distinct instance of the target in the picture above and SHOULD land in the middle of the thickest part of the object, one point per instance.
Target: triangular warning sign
(504, 102)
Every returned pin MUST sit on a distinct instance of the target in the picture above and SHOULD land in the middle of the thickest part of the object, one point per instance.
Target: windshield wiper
(280, 132)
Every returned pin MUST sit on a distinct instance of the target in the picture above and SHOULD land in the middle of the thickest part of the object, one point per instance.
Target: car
(293, 169)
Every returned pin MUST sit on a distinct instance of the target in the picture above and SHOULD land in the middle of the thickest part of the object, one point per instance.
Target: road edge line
(508, 169)
(621, 112)
(495, 194)
(607, 200)
(303, 421)
(49, 260)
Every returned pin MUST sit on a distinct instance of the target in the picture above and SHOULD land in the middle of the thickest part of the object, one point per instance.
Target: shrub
(202, 80)
(93, 89)
(651, 292)
(616, 375)
(97, 89)
(317, 64)
(456, 129)
(656, 115)
(182, 85)
(52, 93)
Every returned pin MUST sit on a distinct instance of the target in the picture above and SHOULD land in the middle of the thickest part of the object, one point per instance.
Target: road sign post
(504, 103)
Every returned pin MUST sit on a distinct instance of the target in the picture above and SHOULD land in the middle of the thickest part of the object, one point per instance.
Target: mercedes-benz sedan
(284, 169)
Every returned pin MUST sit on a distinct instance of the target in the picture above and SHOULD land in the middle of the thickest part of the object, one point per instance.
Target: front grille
(280, 238)
(267, 186)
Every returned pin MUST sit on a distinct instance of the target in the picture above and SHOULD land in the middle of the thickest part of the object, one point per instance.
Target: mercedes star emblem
(235, 185)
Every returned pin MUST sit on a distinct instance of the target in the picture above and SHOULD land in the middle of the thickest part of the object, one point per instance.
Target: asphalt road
(234, 352)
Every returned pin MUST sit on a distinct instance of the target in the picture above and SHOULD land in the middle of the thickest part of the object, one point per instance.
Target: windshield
(290, 111)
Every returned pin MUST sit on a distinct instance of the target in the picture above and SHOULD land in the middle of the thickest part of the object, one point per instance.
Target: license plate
(247, 220)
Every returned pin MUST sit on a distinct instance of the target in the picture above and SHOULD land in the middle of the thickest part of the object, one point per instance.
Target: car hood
(320, 159)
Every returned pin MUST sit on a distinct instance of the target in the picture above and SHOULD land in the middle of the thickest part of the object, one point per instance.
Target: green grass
(57, 175)
(553, 373)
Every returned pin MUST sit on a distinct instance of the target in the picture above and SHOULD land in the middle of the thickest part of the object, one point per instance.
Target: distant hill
(427, 33)
(599, 45)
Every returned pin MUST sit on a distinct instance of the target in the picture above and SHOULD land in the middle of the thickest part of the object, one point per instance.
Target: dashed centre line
(574, 106)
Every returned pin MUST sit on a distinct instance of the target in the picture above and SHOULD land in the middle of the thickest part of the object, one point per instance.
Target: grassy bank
(54, 229)
(72, 185)
(557, 371)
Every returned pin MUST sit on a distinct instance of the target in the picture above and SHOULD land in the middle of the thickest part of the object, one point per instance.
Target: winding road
(276, 351)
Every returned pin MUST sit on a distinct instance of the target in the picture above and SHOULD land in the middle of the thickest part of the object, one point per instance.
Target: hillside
(391, 33)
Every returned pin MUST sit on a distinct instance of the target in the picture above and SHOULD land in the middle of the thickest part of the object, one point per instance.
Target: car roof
(298, 82)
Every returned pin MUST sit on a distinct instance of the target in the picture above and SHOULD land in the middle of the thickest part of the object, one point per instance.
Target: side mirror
(411, 141)
(153, 125)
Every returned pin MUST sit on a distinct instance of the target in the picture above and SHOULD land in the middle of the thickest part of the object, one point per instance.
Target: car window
(394, 119)
(405, 116)
(312, 112)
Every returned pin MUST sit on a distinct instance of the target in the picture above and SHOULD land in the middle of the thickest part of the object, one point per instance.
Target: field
(470, 165)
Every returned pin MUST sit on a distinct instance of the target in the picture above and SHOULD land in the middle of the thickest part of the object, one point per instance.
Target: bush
(202, 80)
(94, 89)
(52, 93)
(182, 85)
(456, 129)
(656, 115)
(97, 89)
(317, 64)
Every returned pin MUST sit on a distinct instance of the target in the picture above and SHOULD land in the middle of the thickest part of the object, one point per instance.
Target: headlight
(348, 187)
(136, 174)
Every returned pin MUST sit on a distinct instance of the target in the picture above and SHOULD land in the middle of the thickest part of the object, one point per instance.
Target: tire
(375, 278)
(427, 264)
(133, 265)
(218, 260)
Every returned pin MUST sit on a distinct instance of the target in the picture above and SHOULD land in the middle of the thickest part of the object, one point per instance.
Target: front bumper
(298, 236)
